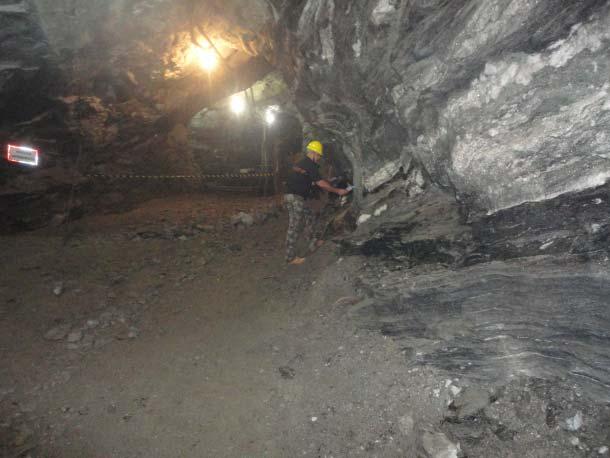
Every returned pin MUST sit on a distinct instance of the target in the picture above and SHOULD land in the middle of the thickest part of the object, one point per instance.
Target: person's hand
(344, 192)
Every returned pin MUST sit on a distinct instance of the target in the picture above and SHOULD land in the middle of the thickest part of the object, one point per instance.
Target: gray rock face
(501, 101)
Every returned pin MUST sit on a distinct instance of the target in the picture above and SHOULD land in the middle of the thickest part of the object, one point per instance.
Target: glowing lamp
(238, 104)
(207, 58)
(271, 114)
(22, 155)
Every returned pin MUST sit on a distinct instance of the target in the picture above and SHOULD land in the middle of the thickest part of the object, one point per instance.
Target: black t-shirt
(302, 183)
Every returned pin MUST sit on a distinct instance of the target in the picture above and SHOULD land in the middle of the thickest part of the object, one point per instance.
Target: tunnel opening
(247, 139)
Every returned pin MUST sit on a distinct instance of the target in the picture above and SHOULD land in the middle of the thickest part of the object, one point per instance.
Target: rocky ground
(176, 329)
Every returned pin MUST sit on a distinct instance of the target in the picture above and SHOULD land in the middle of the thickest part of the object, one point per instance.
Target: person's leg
(295, 213)
(311, 228)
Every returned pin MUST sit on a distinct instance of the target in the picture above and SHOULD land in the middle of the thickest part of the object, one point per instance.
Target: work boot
(297, 261)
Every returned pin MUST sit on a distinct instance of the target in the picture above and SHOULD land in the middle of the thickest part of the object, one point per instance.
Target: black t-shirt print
(301, 183)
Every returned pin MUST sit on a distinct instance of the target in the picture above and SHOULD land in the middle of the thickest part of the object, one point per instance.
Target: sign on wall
(22, 155)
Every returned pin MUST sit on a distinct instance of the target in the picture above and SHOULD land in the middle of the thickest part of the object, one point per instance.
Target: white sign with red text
(22, 155)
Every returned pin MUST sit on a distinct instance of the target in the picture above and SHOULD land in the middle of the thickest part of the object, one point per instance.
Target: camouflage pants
(300, 219)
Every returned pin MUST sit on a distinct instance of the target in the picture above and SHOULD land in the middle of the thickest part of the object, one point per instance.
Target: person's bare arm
(326, 186)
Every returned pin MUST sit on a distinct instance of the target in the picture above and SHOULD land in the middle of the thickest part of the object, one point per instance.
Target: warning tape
(182, 177)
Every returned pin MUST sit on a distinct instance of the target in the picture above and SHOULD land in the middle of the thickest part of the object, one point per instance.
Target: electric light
(238, 104)
(207, 58)
(269, 116)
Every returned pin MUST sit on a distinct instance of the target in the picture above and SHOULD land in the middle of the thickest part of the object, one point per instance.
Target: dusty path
(203, 344)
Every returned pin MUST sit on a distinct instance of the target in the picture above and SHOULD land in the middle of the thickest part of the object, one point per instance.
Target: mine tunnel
(320, 228)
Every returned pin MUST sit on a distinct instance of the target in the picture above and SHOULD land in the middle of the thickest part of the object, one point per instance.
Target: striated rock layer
(520, 292)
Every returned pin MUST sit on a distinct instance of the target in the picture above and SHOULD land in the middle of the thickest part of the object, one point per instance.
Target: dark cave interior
(459, 304)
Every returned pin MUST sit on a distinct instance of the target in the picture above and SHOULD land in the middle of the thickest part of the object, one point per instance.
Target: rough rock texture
(500, 101)
(490, 298)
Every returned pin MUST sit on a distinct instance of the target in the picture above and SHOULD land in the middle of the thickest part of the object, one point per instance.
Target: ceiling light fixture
(271, 114)
(238, 103)
(206, 58)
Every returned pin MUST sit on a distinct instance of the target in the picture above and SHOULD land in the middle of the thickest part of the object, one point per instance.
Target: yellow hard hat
(316, 147)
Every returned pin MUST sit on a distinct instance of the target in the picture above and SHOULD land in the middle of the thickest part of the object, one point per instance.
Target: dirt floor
(168, 331)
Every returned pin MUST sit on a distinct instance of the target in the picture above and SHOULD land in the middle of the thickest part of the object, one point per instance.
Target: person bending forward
(299, 186)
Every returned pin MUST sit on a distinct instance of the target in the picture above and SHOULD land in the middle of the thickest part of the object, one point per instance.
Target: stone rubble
(58, 332)
(575, 423)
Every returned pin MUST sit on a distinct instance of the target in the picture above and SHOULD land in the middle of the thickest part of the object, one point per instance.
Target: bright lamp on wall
(238, 103)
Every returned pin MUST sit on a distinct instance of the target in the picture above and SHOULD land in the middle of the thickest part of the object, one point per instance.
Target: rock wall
(499, 101)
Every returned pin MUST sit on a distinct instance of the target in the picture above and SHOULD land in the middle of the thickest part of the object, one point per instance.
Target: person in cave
(300, 185)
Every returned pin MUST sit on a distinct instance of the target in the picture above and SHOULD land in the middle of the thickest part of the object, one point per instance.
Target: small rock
(437, 445)
(314, 419)
(574, 441)
(602, 450)
(575, 423)
(242, 218)
(363, 219)
(75, 336)
(58, 332)
(133, 333)
(287, 372)
(471, 401)
(347, 300)
(406, 424)
(455, 390)
(92, 324)
(58, 289)
(381, 210)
